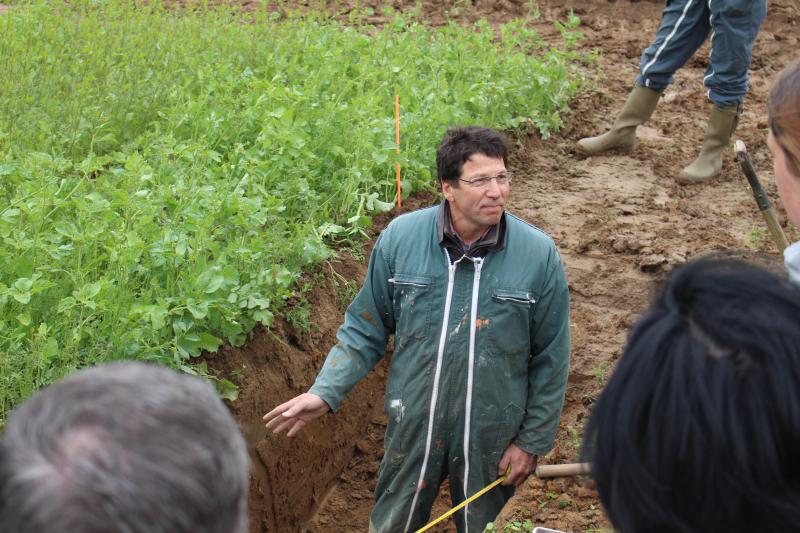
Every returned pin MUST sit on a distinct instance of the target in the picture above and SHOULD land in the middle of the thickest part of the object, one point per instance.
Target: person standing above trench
(478, 304)
(784, 142)
(685, 24)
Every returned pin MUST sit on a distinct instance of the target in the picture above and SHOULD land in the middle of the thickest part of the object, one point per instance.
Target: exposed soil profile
(291, 477)
(621, 223)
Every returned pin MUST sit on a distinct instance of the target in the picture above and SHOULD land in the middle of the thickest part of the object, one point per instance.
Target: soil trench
(621, 223)
(292, 476)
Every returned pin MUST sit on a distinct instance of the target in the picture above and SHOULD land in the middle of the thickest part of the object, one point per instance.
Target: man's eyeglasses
(484, 181)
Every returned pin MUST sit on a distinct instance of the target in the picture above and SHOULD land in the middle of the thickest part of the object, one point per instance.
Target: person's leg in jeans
(734, 26)
(684, 28)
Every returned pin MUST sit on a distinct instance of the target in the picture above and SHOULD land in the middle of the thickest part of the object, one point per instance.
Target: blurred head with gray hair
(123, 447)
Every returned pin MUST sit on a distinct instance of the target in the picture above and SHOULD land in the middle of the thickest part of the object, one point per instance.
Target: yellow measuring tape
(474, 497)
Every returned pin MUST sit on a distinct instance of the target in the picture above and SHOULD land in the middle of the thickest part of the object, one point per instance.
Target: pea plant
(166, 174)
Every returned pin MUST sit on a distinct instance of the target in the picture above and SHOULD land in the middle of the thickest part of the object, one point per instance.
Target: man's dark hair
(698, 429)
(459, 144)
(123, 448)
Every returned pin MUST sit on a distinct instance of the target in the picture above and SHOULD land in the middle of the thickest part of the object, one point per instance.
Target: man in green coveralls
(478, 304)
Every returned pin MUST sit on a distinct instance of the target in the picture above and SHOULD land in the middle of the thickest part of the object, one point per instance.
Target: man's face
(788, 184)
(474, 209)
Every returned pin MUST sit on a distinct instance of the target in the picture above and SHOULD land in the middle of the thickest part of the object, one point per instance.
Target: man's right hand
(295, 413)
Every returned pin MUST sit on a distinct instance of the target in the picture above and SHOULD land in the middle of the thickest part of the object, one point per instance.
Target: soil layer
(621, 223)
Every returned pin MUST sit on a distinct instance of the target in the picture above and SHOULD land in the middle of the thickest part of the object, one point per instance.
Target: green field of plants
(166, 174)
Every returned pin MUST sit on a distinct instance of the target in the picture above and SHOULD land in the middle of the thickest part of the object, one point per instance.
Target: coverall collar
(493, 240)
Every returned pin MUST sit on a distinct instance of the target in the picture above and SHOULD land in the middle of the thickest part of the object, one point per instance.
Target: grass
(166, 175)
(345, 289)
(575, 439)
(754, 238)
(600, 373)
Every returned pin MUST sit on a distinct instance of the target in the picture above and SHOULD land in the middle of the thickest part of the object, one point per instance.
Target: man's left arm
(548, 367)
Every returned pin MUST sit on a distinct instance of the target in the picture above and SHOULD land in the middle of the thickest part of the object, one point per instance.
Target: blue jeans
(685, 25)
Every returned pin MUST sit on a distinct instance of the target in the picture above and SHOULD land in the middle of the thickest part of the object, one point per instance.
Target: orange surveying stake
(397, 134)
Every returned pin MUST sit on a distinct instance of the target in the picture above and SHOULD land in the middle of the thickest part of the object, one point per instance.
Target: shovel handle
(569, 469)
(764, 205)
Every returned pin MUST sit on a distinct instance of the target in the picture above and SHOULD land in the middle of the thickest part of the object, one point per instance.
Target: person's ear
(447, 190)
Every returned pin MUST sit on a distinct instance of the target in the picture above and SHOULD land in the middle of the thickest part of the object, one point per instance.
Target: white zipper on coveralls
(451, 276)
(476, 283)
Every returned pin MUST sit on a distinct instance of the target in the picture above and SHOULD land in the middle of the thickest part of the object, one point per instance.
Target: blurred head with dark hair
(698, 428)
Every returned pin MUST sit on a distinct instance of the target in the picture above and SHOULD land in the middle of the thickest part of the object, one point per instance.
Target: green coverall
(481, 357)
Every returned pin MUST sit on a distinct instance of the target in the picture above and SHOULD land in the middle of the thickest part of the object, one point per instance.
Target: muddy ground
(621, 223)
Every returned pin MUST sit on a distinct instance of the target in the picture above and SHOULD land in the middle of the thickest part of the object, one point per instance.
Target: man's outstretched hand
(522, 464)
(295, 413)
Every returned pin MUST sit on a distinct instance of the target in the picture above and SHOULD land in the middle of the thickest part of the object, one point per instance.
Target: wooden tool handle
(569, 469)
(775, 229)
(764, 205)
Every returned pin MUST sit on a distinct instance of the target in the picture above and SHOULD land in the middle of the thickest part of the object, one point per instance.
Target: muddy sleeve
(548, 367)
(361, 340)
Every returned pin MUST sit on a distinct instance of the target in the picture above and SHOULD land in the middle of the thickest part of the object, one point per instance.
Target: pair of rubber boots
(640, 105)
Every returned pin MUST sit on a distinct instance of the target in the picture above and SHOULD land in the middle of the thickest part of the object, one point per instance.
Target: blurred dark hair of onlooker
(698, 429)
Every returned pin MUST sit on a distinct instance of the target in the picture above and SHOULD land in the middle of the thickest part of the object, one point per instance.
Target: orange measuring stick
(397, 131)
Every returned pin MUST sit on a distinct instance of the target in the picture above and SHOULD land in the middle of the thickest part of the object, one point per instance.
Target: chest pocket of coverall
(509, 313)
(412, 308)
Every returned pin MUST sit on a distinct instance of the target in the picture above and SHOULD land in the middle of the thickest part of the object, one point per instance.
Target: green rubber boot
(622, 136)
(721, 124)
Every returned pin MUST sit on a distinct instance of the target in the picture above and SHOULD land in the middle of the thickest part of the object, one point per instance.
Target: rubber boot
(708, 164)
(622, 136)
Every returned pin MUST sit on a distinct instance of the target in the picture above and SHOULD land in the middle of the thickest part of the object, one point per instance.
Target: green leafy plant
(549, 497)
(299, 315)
(167, 174)
(514, 525)
(600, 373)
(754, 238)
(574, 438)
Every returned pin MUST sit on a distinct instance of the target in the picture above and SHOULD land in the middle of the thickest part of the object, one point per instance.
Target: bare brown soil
(621, 223)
